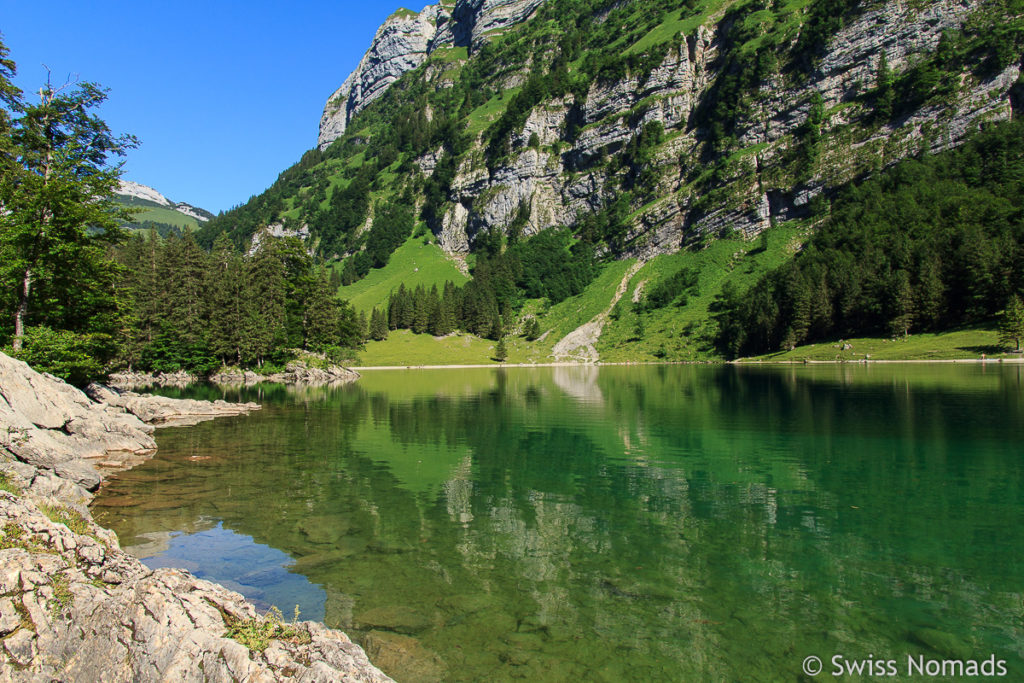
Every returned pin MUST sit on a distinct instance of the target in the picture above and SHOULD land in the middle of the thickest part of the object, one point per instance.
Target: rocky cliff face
(758, 184)
(561, 185)
(403, 43)
(73, 605)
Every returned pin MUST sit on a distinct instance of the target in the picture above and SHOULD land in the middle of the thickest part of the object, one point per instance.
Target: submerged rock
(405, 656)
(163, 411)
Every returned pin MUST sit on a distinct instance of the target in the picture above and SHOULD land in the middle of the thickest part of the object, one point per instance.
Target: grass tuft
(7, 485)
(63, 598)
(68, 517)
(257, 632)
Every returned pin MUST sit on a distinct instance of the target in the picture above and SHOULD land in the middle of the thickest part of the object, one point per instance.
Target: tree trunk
(22, 312)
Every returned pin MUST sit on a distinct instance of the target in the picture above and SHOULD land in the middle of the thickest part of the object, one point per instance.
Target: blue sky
(223, 95)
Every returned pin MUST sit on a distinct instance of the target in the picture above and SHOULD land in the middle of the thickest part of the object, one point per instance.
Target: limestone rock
(78, 608)
(406, 656)
(296, 372)
(403, 43)
(73, 605)
(53, 433)
(564, 178)
(400, 45)
(163, 411)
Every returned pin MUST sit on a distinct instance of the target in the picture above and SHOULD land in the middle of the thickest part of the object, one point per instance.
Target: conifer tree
(532, 329)
(363, 326)
(228, 297)
(267, 308)
(322, 315)
(378, 325)
(501, 351)
(1011, 327)
(902, 305)
(420, 310)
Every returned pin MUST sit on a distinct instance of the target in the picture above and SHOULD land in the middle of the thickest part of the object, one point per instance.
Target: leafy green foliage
(673, 289)
(76, 357)
(59, 217)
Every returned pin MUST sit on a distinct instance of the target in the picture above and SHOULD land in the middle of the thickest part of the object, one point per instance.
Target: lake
(647, 523)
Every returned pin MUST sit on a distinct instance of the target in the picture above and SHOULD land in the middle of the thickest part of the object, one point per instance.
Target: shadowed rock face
(74, 606)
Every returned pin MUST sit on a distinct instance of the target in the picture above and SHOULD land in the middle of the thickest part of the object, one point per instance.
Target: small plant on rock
(72, 519)
(63, 598)
(257, 632)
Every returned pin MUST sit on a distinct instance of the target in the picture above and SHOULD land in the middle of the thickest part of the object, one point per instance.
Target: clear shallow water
(621, 523)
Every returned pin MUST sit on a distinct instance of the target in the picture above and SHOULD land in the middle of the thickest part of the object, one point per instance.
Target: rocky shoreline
(296, 372)
(73, 605)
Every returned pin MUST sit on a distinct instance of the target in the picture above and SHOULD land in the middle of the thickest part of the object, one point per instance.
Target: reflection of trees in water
(698, 507)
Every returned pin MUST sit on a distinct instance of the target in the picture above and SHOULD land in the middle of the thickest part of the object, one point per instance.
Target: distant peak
(140, 191)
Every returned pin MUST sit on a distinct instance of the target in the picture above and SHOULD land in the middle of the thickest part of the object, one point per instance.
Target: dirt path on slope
(580, 345)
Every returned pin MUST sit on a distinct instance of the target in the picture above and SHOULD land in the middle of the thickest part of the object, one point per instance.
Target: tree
(1011, 327)
(532, 329)
(227, 293)
(501, 352)
(57, 209)
(902, 305)
(267, 274)
(378, 325)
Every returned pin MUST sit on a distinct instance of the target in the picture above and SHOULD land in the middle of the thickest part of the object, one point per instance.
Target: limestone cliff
(403, 43)
(662, 125)
(148, 196)
(757, 189)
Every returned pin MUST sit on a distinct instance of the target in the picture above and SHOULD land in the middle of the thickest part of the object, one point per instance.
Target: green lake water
(667, 523)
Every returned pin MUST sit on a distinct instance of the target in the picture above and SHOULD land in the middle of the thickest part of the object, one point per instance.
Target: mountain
(404, 42)
(155, 210)
(646, 128)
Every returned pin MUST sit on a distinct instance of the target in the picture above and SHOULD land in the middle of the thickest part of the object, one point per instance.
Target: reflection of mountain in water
(579, 381)
(690, 520)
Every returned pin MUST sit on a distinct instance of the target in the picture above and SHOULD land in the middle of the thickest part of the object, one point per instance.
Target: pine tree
(885, 96)
(321, 315)
(500, 351)
(902, 305)
(378, 325)
(421, 310)
(363, 326)
(1011, 327)
(532, 329)
(267, 303)
(227, 295)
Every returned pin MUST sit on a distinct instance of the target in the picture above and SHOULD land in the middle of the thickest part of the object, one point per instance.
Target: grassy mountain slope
(673, 134)
(415, 263)
(152, 215)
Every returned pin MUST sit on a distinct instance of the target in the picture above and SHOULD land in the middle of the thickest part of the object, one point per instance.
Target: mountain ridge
(403, 43)
(146, 194)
